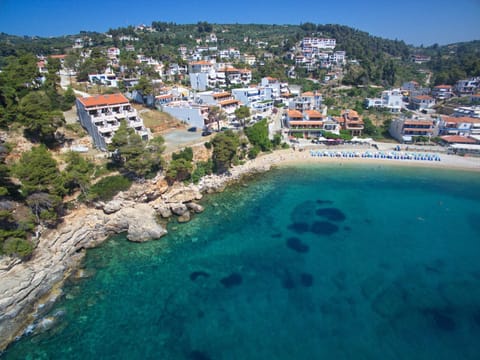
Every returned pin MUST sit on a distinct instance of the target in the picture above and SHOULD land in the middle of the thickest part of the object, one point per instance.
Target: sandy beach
(289, 157)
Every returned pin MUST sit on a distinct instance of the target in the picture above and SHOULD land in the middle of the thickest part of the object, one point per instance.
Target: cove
(392, 271)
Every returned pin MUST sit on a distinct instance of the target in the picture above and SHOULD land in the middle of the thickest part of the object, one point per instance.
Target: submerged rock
(195, 207)
(299, 227)
(197, 274)
(198, 355)
(296, 244)
(332, 214)
(185, 217)
(324, 228)
(306, 279)
(232, 280)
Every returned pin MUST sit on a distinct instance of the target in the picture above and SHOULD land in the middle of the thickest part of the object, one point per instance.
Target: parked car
(192, 129)
(206, 132)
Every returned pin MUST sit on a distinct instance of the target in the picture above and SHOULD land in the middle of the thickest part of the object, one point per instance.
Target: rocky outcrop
(28, 288)
(23, 285)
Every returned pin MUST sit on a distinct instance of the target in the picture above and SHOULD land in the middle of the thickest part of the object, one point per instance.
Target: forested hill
(380, 61)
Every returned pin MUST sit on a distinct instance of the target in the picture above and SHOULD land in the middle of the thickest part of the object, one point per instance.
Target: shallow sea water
(327, 262)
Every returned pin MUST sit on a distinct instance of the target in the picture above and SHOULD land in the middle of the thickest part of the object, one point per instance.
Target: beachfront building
(405, 130)
(310, 123)
(463, 126)
(101, 115)
(351, 121)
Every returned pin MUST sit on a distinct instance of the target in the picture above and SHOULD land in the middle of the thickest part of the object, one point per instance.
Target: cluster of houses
(412, 96)
(319, 53)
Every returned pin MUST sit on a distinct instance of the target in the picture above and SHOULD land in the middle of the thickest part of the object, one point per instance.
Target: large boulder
(179, 208)
(195, 207)
(138, 221)
(185, 217)
(182, 194)
(163, 210)
(112, 206)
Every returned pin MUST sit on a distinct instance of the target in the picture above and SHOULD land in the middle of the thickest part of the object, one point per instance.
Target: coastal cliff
(28, 289)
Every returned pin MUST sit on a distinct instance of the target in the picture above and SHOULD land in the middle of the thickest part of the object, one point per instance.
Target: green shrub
(18, 247)
(253, 152)
(108, 187)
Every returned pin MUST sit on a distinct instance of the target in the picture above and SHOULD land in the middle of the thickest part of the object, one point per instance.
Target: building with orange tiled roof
(351, 121)
(405, 130)
(101, 115)
(462, 125)
(421, 102)
(442, 92)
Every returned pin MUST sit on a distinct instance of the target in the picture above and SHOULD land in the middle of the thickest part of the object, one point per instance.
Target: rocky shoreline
(29, 289)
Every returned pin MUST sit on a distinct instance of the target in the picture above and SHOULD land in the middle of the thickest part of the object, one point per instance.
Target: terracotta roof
(308, 93)
(443, 87)
(306, 122)
(103, 100)
(462, 119)
(417, 122)
(166, 96)
(58, 56)
(313, 113)
(228, 102)
(201, 62)
(221, 94)
(458, 139)
(294, 114)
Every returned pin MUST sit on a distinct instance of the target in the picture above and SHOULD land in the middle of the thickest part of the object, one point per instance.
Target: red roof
(58, 56)
(313, 114)
(228, 102)
(458, 139)
(103, 100)
(443, 87)
(295, 114)
(417, 122)
(462, 119)
(221, 95)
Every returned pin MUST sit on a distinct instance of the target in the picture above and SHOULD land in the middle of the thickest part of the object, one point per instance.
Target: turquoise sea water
(327, 262)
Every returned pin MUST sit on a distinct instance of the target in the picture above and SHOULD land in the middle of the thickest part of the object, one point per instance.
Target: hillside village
(101, 110)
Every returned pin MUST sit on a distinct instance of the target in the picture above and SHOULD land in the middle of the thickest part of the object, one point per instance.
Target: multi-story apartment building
(101, 115)
(468, 86)
(351, 121)
(421, 102)
(442, 92)
(405, 130)
(464, 126)
(306, 101)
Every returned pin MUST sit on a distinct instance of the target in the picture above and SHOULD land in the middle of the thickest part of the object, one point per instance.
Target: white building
(390, 99)
(101, 115)
(319, 43)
